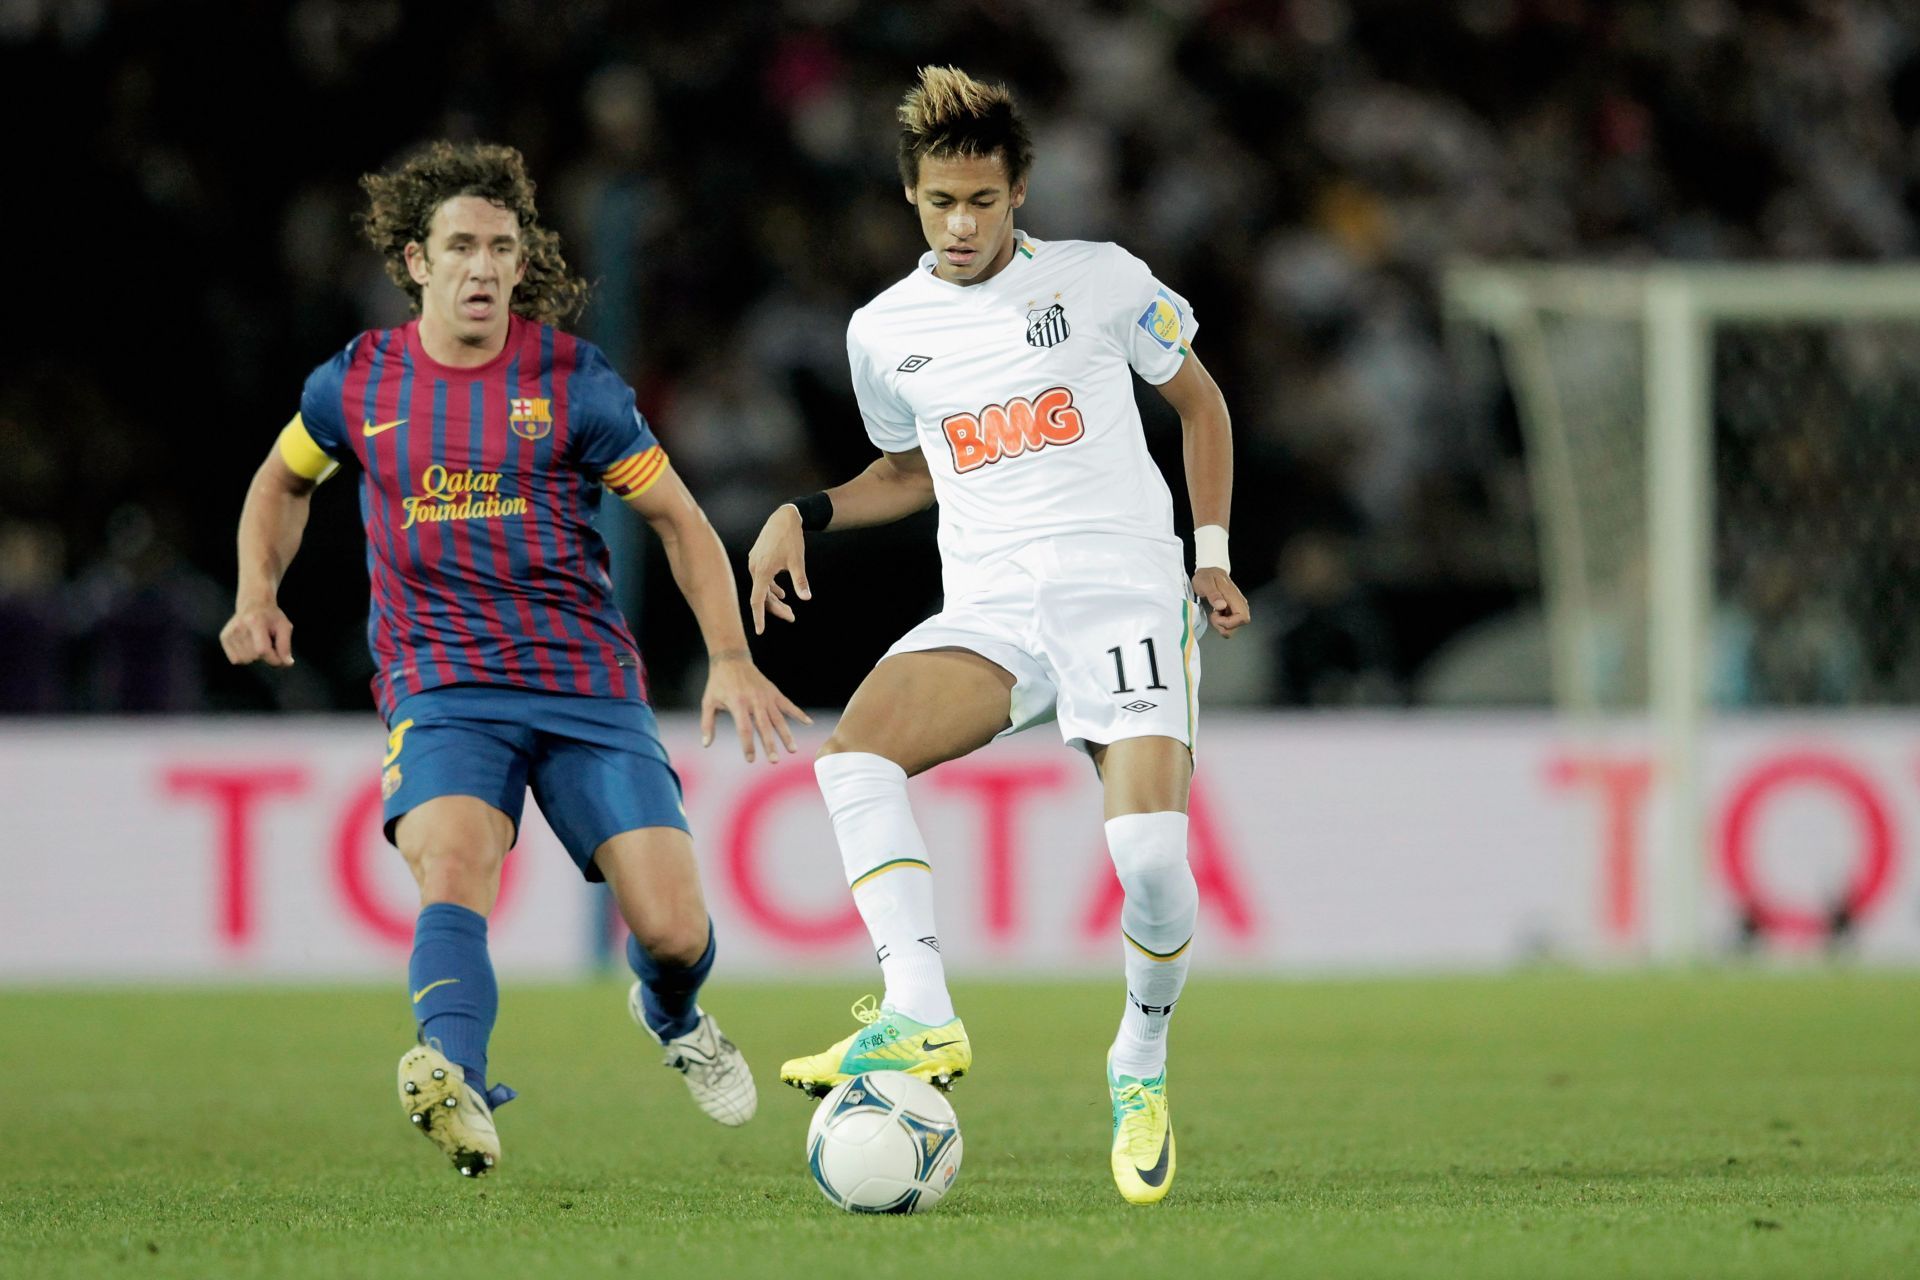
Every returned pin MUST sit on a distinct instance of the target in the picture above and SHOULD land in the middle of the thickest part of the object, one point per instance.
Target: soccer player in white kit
(995, 379)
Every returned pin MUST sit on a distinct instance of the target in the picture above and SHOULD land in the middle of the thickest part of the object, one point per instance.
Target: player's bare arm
(893, 488)
(1208, 453)
(271, 523)
(700, 568)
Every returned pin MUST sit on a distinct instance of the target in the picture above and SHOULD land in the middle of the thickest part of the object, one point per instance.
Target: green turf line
(1721, 1124)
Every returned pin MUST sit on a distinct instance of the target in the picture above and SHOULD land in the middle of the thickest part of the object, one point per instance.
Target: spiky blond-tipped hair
(949, 113)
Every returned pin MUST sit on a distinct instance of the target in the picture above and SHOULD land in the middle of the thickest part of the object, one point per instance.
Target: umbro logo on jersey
(367, 428)
(1047, 328)
(913, 362)
(1139, 705)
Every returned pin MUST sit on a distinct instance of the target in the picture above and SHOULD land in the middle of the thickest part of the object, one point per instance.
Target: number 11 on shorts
(1120, 667)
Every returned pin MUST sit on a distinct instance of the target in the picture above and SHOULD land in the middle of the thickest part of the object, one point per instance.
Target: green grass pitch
(1552, 1124)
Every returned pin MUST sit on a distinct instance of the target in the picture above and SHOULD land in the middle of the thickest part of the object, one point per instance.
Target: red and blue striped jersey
(479, 491)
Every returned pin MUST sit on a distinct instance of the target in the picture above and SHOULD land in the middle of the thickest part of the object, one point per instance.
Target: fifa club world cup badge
(1047, 328)
(530, 419)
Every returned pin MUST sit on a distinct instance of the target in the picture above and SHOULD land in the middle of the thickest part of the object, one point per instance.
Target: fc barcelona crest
(1047, 328)
(530, 419)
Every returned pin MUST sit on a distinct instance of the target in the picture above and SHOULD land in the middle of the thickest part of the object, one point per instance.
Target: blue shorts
(596, 765)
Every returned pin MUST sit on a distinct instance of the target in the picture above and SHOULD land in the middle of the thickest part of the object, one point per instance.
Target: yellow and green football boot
(1143, 1160)
(888, 1041)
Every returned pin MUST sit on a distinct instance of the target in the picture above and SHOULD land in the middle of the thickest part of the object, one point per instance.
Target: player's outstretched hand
(1226, 606)
(737, 687)
(258, 632)
(780, 548)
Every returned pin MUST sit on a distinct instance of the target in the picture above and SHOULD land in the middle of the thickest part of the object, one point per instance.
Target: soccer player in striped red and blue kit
(484, 435)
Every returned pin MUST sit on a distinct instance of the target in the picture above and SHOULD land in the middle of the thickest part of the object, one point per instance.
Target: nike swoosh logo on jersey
(368, 429)
(1158, 1174)
(430, 986)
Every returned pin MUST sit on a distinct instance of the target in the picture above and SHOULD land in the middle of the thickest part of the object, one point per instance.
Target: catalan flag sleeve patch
(636, 473)
(298, 451)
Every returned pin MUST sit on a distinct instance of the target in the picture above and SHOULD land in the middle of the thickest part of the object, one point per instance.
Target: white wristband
(1210, 548)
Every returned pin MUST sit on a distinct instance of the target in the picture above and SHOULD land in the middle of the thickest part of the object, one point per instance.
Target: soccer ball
(884, 1142)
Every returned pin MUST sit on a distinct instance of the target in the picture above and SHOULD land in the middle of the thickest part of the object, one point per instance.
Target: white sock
(891, 879)
(1150, 854)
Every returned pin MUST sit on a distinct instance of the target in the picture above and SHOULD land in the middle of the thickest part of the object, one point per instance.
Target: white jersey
(1017, 392)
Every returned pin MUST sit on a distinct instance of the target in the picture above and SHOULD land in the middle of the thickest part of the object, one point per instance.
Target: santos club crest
(1047, 328)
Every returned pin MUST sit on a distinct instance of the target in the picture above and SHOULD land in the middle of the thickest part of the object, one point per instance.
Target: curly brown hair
(404, 198)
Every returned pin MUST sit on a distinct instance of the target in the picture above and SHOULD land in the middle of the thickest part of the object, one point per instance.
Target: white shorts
(1109, 659)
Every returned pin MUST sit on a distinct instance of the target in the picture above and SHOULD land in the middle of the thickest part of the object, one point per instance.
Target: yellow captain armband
(634, 474)
(299, 452)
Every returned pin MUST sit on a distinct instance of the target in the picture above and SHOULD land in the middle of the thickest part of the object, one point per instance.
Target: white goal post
(1613, 375)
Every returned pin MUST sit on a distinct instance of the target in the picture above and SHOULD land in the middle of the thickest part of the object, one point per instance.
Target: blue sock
(668, 992)
(455, 999)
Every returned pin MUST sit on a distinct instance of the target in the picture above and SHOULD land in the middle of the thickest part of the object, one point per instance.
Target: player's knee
(1150, 859)
(837, 745)
(456, 870)
(679, 943)
(1161, 880)
(833, 746)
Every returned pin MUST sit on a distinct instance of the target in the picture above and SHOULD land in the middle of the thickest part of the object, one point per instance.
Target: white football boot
(436, 1096)
(715, 1070)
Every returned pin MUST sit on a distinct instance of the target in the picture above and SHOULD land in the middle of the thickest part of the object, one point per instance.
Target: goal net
(1725, 466)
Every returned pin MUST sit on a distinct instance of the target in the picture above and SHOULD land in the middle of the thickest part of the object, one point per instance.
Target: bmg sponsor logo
(1011, 429)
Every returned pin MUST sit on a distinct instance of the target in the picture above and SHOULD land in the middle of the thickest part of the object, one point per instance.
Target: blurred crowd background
(185, 179)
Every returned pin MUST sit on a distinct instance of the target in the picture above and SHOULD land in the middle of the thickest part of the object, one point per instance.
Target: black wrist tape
(816, 511)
